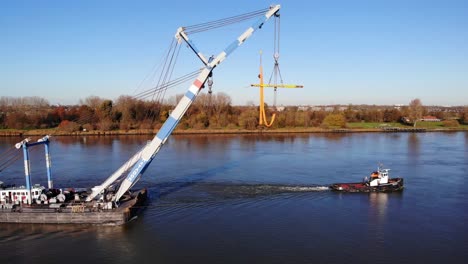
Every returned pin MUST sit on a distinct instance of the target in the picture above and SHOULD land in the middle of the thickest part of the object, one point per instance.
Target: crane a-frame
(129, 173)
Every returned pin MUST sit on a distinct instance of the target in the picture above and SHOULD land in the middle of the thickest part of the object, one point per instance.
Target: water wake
(197, 191)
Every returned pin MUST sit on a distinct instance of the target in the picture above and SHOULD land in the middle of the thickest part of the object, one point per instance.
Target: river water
(259, 199)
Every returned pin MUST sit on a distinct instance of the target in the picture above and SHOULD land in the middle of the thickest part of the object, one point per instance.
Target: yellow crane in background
(276, 73)
(262, 114)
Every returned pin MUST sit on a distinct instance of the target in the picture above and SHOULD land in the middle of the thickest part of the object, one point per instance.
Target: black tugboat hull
(394, 185)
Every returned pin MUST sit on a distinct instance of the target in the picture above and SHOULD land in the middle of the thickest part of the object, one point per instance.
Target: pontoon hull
(68, 214)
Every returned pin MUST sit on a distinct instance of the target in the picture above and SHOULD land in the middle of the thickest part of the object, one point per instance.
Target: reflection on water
(199, 143)
(413, 147)
(379, 210)
(466, 140)
(23, 232)
(102, 140)
(334, 136)
(378, 205)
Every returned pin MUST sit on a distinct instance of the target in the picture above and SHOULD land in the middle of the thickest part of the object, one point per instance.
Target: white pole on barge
(27, 168)
(45, 141)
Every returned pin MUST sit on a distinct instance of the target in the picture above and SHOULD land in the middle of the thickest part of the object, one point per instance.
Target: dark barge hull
(394, 185)
(37, 215)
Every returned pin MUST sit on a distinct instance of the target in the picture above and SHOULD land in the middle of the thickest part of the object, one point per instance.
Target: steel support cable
(160, 86)
(153, 71)
(5, 154)
(260, 11)
(172, 47)
(222, 22)
(164, 74)
(81, 119)
(164, 69)
(10, 163)
(166, 86)
(151, 91)
(14, 159)
(9, 160)
(278, 18)
(194, 31)
(167, 74)
(170, 71)
(275, 30)
(163, 78)
(276, 70)
(144, 94)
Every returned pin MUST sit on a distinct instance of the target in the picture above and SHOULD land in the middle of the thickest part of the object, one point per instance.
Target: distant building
(280, 108)
(430, 119)
(342, 108)
(316, 108)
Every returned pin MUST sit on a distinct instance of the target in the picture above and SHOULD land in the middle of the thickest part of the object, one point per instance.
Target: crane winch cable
(13, 159)
(169, 72)
(174, 82)
(5, 153)
(164, 79)
(255, 13)
(276, 70)
(197, 28)
(167, 62)
(156, 68)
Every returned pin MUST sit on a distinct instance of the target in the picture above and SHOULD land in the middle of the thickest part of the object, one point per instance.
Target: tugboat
(379, 181)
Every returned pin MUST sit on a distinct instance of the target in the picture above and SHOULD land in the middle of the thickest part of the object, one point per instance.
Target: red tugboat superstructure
(379, 181)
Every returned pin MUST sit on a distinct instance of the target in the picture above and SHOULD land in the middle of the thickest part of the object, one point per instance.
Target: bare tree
(464, 117)
(203, 101)
(92, 101)
(416, 110)
(221, 103)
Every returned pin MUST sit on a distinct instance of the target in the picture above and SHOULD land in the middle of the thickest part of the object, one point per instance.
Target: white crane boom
(150, 150)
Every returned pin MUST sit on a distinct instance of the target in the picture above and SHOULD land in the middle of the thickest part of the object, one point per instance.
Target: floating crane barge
(41, 205)
(111, 202)
(72, 212)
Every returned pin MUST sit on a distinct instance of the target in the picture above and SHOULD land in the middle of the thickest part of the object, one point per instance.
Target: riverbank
(56, 132)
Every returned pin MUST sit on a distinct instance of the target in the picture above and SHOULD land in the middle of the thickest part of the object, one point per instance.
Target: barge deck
(75, 213)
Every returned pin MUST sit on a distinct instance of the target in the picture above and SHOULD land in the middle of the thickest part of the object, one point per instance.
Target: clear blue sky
(369, 52)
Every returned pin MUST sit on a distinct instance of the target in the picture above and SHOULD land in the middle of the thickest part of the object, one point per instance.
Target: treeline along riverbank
(215, 114)
(56, 132)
